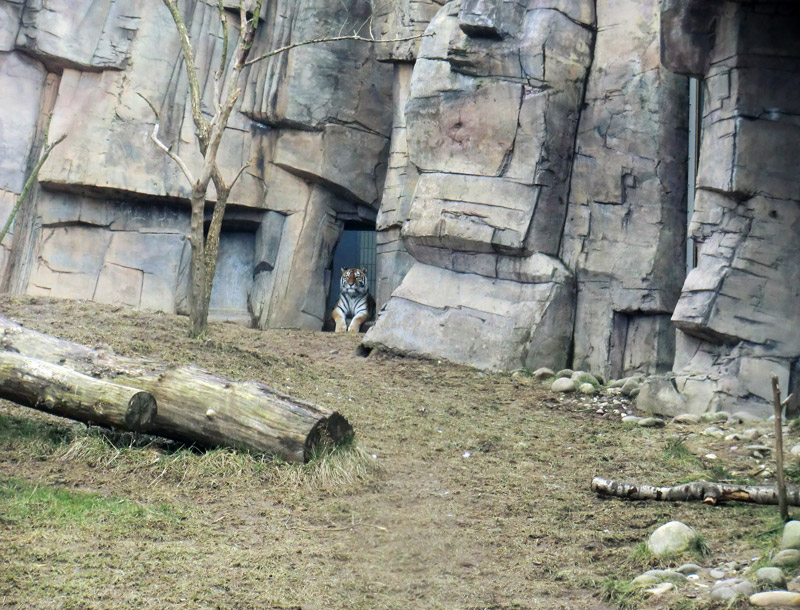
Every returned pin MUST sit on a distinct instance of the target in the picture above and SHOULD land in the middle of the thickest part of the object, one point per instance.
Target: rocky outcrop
(738, 310)
(313, 125)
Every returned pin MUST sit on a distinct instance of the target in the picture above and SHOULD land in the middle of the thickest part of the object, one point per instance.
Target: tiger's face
(353, 281)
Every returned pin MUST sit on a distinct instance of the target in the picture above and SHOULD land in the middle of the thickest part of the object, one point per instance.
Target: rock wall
(541, 144)
(524, 163)
(110, 217)
(738, 313)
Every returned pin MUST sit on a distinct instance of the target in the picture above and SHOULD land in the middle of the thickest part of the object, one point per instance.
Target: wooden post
(781, 481)
(62, 391)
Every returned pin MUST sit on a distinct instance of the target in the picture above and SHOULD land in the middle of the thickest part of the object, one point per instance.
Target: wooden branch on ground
(62, 391)
(700, 491)
(194, 405)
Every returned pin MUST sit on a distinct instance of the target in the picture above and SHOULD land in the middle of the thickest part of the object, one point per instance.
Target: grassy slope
(91, 519)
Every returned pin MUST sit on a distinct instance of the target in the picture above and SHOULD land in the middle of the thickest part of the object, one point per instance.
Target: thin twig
(356, 37)
(154, 137)
(780, 479)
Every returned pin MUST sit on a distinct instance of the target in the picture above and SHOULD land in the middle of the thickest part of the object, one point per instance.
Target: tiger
(355, 301)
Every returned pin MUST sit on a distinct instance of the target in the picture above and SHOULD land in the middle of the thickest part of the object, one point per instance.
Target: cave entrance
(356, 248)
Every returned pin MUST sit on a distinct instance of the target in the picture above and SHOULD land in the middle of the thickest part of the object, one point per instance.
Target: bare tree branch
(356, 37)
(238, 175)
(154, 137)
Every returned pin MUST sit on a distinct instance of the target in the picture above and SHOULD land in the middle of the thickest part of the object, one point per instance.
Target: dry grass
(462, 490)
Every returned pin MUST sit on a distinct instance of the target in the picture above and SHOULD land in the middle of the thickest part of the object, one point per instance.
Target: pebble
(617, 383)
(586, 388)
(774, 599)
(791, 535)
(631, 419)
(687, 418)
(631, 384)
(714, 416)
(758, 451)
(795, 450)
(713, 431)
(651, 422)
(564, 373)
(717, 574)
(742, 417)
(731, 587)
(786, 558)
(671, 538)
(689, 568)
(772, 577)
(563, 384)
(543, 373)
(659, 590)
(581, 377)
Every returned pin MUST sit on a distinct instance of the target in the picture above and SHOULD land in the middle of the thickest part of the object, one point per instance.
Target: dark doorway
(356, 248)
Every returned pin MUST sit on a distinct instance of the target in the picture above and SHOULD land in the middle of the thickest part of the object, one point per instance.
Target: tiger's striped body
(355, 301)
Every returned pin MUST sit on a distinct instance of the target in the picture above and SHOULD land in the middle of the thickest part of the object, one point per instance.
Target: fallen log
(195, 406)
(62, 391)
(701, 491)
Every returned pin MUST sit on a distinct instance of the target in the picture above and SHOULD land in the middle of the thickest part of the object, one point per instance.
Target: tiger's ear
(344, 270)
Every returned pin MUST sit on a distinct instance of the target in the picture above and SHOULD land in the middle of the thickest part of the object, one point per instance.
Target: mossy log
(195, 406)
(700, 491)
(62, 391)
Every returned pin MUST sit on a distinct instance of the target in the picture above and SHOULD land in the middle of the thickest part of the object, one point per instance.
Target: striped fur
(354, 302)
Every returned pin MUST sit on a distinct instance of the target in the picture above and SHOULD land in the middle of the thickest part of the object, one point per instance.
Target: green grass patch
(23, 503)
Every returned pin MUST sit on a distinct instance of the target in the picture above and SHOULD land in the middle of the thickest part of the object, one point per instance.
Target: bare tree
(209, 134)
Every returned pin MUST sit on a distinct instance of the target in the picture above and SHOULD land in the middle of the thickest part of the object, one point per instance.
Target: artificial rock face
(489, 128)
(546, 131)
(738, 310)
(109, 220)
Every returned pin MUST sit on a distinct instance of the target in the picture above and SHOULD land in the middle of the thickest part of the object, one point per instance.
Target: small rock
(563, 384)
(689, 568)
(772, 577)
(773, 599)
(742, 417)
(714, 416)
(714, 432)
(716, 574)
(671, 538)
(635, 392)
(645, 580)
(581, 377)
(748, 435)
(631, 419)
(543, 373)
(586, 388)
(631, 384)
(564, 373)
(617, 383)
(651, 422)
(786, 558)
(686, 418)
(795, 450)
(723, 594)
(791, 535)
(758, 451)
(659, 590)
(737, 585)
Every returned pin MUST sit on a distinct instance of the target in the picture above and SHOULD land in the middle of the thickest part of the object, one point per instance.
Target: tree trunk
(701, 491)
(62, 391)
(194, 405)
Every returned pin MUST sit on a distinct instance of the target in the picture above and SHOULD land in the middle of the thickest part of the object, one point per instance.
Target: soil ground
(464, 491)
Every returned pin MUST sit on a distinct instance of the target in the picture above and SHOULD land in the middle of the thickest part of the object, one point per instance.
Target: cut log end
(334, 428)
(141, 412)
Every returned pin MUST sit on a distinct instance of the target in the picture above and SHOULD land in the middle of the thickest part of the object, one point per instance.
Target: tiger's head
(354, 281)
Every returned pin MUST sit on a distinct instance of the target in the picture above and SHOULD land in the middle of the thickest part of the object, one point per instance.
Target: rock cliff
(524, 164)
